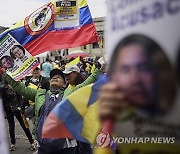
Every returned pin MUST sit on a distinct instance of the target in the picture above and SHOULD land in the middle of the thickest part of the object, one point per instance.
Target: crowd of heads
(63, 74)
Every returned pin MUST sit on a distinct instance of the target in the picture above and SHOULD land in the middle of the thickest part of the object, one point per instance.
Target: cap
(57, 72)
(71, 68)
(56, 61)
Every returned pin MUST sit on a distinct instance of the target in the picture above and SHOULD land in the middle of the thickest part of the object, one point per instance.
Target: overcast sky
(13, 11)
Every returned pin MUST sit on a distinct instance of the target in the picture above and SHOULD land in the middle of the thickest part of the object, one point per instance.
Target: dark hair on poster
(14, 47)
(6, 62)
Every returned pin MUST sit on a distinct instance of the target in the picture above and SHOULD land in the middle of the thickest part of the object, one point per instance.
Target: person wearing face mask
(37, 79)
(76, 80)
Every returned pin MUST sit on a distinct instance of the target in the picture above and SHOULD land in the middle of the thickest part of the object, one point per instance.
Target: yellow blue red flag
(56, 25)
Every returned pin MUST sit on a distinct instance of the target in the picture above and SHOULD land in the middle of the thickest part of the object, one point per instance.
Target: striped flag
(56, 25)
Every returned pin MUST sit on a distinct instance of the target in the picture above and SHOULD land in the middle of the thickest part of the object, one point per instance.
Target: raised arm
(20, 88)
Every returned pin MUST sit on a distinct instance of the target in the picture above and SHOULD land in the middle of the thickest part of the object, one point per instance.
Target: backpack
(48, 145)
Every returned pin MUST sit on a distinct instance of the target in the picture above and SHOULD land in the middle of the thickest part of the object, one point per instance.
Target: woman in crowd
(76, 81)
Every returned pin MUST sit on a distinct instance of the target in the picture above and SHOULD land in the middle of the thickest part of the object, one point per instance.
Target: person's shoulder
(28, 77)
(41, 91)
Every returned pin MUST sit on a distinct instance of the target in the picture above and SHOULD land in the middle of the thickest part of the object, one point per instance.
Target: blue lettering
(144, 15)
(133, 18)
(124, 22)
(172, 6)
(116, 5)
(157, 10)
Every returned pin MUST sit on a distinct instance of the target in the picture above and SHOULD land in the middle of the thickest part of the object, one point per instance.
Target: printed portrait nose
(134, 76)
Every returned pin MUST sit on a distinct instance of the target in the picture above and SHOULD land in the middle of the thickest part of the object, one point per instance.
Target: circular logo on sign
(40, 20)
(103, 139)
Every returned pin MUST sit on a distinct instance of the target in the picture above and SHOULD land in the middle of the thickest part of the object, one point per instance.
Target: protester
(62, 65)
(76, 81)
(35, 81)
(56, 64)
(44, 103)
(47, 67)
(12, 106)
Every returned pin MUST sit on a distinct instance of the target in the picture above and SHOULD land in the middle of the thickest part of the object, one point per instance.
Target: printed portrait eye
(124, 69)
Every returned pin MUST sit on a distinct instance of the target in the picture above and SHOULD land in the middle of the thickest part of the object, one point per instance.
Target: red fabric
(63, 39)
(54, 128)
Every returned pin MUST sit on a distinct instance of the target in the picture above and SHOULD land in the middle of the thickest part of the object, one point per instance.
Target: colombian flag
(76, 117)
(56, 25)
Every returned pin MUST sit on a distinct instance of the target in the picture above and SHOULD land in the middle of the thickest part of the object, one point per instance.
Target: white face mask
(34, 80)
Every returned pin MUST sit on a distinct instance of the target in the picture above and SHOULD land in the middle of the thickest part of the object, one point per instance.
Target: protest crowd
(48, 83)
(125, 101)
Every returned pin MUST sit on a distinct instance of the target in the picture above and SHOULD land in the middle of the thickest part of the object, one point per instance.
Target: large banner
(143, 47)
(15, 59)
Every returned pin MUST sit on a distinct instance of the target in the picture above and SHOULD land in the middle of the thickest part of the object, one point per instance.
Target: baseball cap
(71, 68)
(57, 72)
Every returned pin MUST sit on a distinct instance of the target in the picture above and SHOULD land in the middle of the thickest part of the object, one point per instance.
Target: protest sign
(67, 13)
(15, 59)
(142, 44)
(66, 10)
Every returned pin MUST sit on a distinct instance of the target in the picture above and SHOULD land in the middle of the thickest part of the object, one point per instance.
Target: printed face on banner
(17, 51)
(15, 59)
(6, 62)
